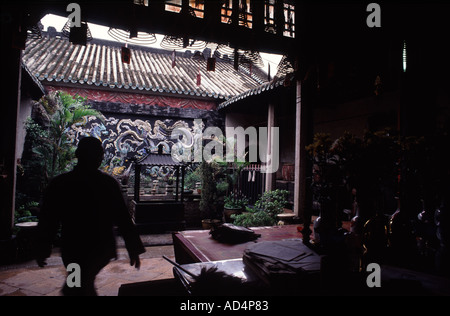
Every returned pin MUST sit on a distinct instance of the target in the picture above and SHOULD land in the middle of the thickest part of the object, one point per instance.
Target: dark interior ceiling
(330, 35)
(325, 29)
(154, 18)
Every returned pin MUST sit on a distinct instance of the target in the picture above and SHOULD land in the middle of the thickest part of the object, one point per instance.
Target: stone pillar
(270, 177)
(301, 159)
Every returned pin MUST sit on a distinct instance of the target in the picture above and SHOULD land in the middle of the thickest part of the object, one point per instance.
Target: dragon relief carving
(124, 139)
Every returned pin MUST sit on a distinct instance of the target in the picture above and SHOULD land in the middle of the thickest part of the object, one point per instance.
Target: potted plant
(192, 181)
(324, 187)
(235, 204)
(370, 167)
(273, 203)
(253, 218)
(208, 205)
(267, 208)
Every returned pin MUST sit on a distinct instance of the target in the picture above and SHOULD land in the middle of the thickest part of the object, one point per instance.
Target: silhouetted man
(87, 204)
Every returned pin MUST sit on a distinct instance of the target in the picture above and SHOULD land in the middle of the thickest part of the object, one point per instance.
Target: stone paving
(27, 279)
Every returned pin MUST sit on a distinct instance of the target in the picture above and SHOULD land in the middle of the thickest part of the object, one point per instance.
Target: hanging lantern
(210, 61)
(199, 78)
(236, 60)
(378, 86)
(19, 40)
(174, 59)
(126, 55)
(211, 64)
(77, 35)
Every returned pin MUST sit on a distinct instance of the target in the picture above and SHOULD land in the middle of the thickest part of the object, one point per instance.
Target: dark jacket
(87, 204)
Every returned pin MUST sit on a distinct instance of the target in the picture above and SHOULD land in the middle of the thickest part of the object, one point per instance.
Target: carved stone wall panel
(137, 124)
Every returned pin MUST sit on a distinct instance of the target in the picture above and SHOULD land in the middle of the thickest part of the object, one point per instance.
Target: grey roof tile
(159, 160)
(100, 64)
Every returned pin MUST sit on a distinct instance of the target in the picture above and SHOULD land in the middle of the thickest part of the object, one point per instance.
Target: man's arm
(127, 228)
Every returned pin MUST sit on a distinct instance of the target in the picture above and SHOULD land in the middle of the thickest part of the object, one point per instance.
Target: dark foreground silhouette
(86, 205)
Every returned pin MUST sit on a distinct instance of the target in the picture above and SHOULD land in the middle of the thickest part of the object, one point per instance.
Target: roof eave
(264, 88)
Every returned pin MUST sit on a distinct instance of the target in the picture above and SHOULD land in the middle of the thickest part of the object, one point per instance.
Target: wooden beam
(258, 16)
(212, 12)
(154, 19)
(11, 84)
(300, 156)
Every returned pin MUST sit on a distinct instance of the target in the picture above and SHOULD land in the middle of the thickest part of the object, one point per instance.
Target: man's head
(90, 153)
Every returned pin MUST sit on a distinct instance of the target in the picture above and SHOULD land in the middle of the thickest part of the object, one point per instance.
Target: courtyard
(352, 110)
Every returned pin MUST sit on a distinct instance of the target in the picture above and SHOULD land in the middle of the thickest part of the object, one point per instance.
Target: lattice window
(141, 2)
(245, 13)
(226, 11)
(269, 16)
(196, 7)
(245, 17)
(174, 5)
(289, 19)
(279, 15)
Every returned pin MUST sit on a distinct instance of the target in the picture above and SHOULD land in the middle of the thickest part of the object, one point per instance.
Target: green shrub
(253, 219)
(267, 208)
(273, 202)
(236, 201)
(192, 178)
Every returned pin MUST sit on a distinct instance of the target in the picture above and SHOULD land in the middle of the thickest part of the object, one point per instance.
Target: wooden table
(199, 246)
(250, 277)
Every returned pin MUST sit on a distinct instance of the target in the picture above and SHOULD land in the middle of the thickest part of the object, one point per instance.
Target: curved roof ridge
(99, 63)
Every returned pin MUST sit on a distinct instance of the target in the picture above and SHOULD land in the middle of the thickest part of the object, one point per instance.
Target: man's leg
(89, 272)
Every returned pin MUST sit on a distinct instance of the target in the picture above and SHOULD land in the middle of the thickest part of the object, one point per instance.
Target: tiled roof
(159, 160)
(54, 59)
(268, 86)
